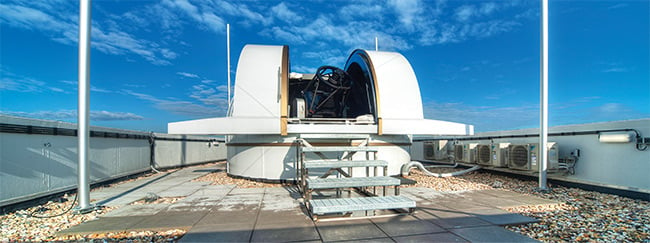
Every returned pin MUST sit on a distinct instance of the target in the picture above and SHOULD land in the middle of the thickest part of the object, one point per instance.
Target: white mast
(228, 54)
(376, 44)
(543, 100)
(83, 134)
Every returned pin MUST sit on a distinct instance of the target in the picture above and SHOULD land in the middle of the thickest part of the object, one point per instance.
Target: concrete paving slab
(454, 219)
(406, 225)
(287, 189)
(203, 194)
(238, 202)
(284, 233)
(245, 216)
(291, 218)
(502, 217)
(438, 237)
(493, 201)
(219, 233)
(137, 210)
(180, 190)
(373, 240)
(228, 187)
(169, 220)
(462, 205)
(490, 234)
(239, 191)
(102, 225)
(288, 204)
(499, 193)
(119, 201)
(421, 192)
(349, 230)
(188, 208)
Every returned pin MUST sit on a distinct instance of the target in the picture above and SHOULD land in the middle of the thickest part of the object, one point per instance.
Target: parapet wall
(615, 165)
(39, 158)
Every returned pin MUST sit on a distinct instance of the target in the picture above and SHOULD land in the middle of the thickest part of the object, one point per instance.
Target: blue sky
(477, 62)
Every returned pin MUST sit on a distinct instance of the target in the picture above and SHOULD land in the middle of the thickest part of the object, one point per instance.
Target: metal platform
(340, 149)
(313, 164)
(324, 183)
(337, 205)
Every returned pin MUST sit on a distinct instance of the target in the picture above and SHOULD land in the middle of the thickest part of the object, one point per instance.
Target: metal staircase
(333, 171)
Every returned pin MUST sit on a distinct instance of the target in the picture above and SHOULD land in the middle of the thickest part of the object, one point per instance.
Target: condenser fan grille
(519, 156)
(484, 154)
(428, 150)
(458, 150)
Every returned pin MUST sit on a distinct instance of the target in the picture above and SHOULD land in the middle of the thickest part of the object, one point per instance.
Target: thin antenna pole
(376, 43)
(228, 54)
(543, 100)
(83, 133)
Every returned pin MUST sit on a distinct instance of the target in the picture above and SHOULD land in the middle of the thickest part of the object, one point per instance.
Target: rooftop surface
(231, 214)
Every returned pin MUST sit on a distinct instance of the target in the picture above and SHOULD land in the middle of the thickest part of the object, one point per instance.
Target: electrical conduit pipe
(406, 167)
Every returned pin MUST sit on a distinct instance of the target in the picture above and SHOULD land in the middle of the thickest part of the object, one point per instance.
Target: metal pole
(228, 54)
(543, 100)
(83, 134)
(376, 44)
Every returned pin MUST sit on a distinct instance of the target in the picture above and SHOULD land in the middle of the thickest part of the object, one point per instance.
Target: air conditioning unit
(499, 154)
(483, 152)
(469, 153)
(436, 150)
(526, 156)
(458, 153)
(429, 152)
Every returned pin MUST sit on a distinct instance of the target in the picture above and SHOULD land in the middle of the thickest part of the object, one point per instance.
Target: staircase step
(340, 149)
(341, 205)
(324, 183)
(334, 136)
(310, 164)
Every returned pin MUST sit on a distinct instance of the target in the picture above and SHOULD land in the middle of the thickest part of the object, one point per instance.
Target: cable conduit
(406, 167)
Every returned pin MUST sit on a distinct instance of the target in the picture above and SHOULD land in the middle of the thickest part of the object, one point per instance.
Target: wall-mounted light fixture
(616, 137)
(627, 136)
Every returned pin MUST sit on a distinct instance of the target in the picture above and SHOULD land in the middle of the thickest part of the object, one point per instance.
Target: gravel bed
(41, 221)
(221, 178)
(580, 215)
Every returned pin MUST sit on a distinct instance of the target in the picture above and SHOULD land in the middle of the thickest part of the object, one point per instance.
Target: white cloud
(209, 96)
(465, 12)
(279, 33)
(616, 70)
(180, 107)
(367, 10)
(19, 83)
(488, 8)
(614, 67)
(453, 33)
(55, 22)
(188, 75)
(493, 118)
(92, 87)
(282, 12)
(619, 5)
(407, 11)
(333, 57)
(72, 114)
(484, 118)
(303, 69)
